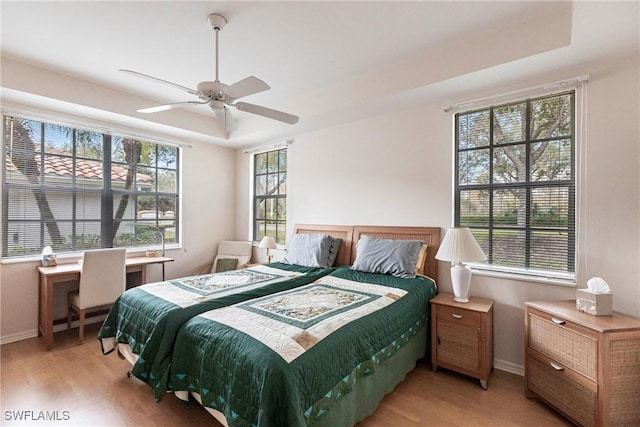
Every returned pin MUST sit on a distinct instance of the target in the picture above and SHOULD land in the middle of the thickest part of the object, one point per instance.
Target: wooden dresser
(586, 367)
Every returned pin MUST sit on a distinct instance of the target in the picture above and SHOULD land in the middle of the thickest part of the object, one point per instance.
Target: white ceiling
(314, 55)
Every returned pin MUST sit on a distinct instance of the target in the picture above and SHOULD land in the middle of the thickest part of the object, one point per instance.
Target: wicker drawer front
(458, 345)
(572, 349)
(569, 397)
(456, 315)
(624, 398)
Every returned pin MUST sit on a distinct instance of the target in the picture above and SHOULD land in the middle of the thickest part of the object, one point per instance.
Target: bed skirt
(367, 392)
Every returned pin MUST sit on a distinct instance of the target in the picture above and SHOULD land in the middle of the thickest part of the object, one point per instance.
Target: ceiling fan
(219, 96)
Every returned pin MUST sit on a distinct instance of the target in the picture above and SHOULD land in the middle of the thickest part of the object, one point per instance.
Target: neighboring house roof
(63, 166)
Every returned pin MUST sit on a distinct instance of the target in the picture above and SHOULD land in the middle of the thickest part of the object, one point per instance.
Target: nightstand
(462, 336)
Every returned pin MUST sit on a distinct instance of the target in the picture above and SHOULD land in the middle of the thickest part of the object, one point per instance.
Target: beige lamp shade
(459, 245)
(267, 242)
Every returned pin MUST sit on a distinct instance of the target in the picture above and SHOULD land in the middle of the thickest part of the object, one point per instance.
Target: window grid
(520, 208)
(270, 198)
(61, 189)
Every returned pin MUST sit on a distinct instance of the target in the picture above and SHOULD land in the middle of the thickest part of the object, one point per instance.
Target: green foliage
(541, 219)
(23, 250)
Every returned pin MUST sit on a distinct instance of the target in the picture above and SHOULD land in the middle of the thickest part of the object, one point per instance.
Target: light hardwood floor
(95, 390)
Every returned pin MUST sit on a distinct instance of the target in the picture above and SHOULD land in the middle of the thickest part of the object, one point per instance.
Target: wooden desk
(49, 276)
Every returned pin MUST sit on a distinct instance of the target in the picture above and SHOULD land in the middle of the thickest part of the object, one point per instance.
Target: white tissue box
(596, 304)
(49, 260)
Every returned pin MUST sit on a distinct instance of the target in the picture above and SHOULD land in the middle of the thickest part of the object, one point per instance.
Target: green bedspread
(284, 359)
(148, 317)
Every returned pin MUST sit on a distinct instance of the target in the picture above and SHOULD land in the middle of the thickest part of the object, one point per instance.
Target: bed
(321, 354)
(143, 322)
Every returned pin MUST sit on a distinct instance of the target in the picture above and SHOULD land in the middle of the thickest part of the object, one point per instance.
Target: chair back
(103, 277)
(239, 250)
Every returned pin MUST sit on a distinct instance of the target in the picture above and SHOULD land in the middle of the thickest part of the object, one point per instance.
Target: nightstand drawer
(458, 315)
(555, 385)
(564, 342)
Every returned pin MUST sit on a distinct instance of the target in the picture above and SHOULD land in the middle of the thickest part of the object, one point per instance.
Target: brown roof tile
(62, 166)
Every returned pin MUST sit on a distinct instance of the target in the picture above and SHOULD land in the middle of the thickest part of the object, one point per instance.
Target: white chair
(228, 253)
(102, 281)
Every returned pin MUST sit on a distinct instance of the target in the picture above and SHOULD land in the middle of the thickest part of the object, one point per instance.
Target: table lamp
(459, 246)
(267, 243)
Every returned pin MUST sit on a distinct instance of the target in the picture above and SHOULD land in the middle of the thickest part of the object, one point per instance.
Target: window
(75, 189)
(515, 183)
(270, 195)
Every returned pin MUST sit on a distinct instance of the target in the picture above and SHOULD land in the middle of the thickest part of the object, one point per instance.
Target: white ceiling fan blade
(226, 118)
(267, 112)
(166, 107)
(157, 80)
(246, 87)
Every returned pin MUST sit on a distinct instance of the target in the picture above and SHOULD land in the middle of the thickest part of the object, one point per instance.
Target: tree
(548, 118)
(132, 153)
(270, 194)
(515, 181)
(21, 151)
(550, 125)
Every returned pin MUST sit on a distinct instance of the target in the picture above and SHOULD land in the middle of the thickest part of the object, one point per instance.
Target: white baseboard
(6, 339)
(509, 367)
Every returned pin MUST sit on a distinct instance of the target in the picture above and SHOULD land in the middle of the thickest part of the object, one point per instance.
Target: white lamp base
(461, 281)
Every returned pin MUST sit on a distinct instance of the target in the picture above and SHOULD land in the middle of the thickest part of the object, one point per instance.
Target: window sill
(547, 280)
(75, 256)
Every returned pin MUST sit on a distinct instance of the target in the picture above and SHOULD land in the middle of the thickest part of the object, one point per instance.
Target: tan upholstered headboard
(344, 232)
(428, 235)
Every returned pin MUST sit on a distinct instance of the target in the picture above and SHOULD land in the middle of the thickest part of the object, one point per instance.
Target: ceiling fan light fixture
(216, 105)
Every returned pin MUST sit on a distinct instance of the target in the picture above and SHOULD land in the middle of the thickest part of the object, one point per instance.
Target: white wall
(396, 169)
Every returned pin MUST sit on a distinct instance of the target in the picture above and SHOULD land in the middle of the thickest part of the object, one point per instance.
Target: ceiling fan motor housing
(211, 90)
